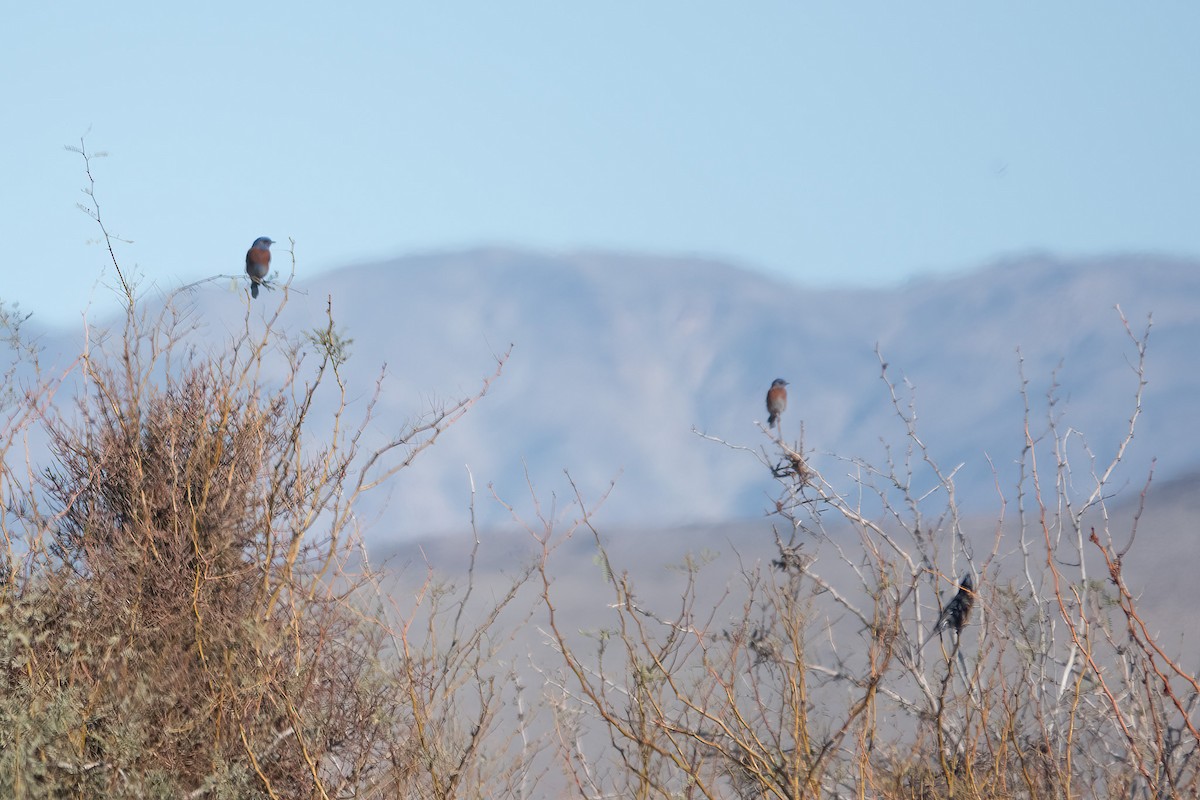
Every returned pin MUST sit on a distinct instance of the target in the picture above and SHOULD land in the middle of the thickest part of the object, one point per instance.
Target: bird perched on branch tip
(258, 263)
(776, 401)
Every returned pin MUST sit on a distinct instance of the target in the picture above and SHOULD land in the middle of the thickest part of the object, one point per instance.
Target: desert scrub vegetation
(814, 672)
(187, 609)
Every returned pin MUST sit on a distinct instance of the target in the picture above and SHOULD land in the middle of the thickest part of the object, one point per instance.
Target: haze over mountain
(616, 358)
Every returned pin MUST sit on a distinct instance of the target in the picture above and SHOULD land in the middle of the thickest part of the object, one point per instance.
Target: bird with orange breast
(258, 263)
(776, 401)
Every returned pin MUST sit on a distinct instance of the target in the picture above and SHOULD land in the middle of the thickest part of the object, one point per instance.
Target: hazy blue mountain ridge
(617, 357)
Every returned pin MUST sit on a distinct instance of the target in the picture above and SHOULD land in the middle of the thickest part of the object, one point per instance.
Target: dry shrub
(187, 610)
(815, 673)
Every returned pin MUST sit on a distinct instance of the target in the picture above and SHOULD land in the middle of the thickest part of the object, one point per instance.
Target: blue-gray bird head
(263, 243)
(778, 382)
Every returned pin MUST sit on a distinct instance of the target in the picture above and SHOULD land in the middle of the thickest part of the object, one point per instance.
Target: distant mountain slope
(617, 357)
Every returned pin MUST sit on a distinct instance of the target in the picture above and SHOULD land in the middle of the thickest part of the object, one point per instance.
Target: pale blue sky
(832, 143)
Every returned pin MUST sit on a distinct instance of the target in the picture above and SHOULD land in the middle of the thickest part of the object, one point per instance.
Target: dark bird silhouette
(954, 616)
(258, 263)
(776, 401)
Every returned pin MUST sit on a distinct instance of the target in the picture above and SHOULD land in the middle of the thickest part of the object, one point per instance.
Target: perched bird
(258, 262)
(776, 401)
(954, 615)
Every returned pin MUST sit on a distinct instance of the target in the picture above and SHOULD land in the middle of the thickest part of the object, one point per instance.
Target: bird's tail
(771, 420)
(254, 289)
